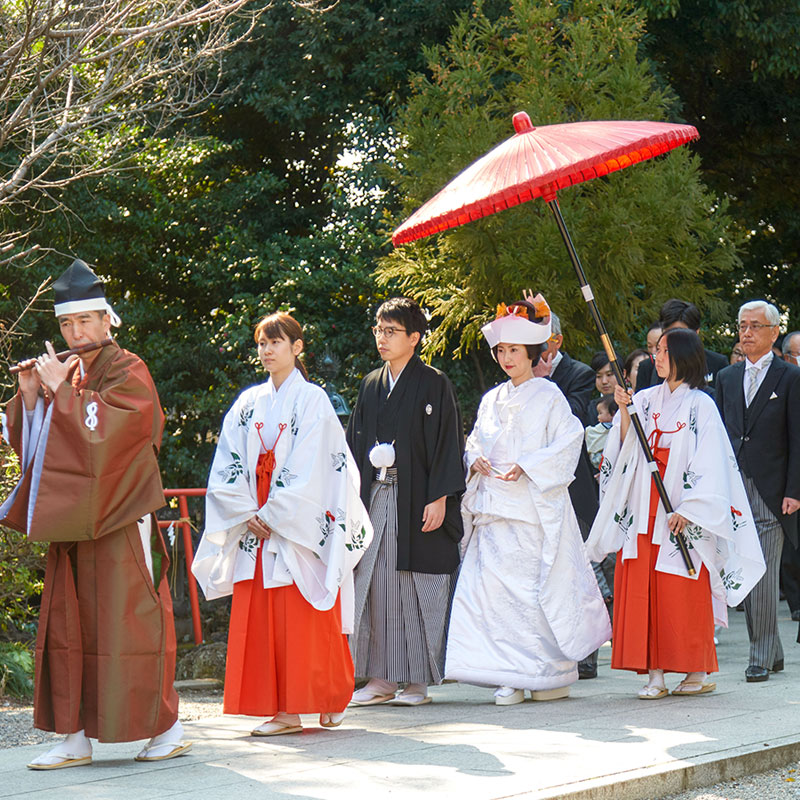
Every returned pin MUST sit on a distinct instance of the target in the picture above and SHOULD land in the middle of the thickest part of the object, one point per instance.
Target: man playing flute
(87, 432)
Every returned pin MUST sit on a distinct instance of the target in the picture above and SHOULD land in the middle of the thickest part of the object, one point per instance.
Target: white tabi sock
(416, 688)
(165, 743)
(380, 686)
(290, 720)
(76, 745)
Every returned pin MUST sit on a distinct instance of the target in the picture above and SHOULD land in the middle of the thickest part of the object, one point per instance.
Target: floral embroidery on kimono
(320, 528)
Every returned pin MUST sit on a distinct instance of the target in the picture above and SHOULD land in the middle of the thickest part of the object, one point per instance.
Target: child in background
(596, 435)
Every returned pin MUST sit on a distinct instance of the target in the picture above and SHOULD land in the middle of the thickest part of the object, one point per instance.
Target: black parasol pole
(586, 290)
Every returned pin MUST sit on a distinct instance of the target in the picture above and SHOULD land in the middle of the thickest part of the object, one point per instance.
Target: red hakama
(661, 621)
(283, 654)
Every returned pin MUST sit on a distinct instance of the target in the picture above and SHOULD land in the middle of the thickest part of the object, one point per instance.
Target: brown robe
(105, 650)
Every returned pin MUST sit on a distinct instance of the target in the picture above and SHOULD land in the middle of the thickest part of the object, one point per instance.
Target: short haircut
(405, 311)
(771, 313)
(654, 326)
(787, 341)
(534, 351)
(687, 358)
(680, 311)
(555, 324)
(609, 402)
(599, 360)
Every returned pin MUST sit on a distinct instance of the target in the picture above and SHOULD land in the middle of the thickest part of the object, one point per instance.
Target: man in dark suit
(759, 400)
(680, 314)
(576, 381)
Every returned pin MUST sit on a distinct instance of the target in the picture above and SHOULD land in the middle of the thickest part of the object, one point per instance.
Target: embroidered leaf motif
(285, 478)
(327, 523)
(693, 420)
(338, 461)
(690, 479)
(624, 520)
(246, 414)
(230, 473)
(691, 533)
(731, 580)
(293, 424)
(605, 467)
(736, 518)
(249, 544)
(734, 462)
(358, 533)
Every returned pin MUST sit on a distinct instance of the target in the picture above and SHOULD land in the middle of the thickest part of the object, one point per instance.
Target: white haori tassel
(382, 457)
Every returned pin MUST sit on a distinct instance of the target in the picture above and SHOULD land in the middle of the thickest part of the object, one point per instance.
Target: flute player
(87, 432)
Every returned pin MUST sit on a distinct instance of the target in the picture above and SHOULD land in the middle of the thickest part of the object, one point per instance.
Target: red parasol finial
(522, 122)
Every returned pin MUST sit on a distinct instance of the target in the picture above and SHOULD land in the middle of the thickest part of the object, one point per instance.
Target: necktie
(752, 386)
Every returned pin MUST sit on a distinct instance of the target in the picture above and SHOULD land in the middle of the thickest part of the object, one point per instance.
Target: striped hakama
(400, 616)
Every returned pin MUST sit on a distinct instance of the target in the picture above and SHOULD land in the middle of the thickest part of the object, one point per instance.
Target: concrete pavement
(599, 744)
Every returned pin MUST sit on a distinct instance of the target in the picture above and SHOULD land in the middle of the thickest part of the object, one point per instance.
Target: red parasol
(538, 162)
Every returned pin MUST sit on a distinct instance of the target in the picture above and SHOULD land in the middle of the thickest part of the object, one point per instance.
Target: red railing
(188, 549)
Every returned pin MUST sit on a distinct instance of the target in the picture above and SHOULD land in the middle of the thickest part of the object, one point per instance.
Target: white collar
(393, 381)
(761, 363)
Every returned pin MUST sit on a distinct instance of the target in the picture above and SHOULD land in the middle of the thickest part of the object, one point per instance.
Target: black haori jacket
(422, 417)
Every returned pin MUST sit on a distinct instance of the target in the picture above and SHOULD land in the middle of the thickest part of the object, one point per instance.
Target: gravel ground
(777, 784)
(16, 717)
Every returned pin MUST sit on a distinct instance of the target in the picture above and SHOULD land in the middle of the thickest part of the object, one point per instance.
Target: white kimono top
(703, 483)
(320, 528)
(544, 437)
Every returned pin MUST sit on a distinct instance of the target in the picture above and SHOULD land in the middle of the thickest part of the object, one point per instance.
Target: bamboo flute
(62, 356)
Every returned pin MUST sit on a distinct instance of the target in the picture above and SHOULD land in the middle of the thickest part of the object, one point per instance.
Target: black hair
(680, 311)
(654, 326)
(687, 358)
(599, 360)
(639, 352)
(534, 352)
(405, 311)
(609, 402)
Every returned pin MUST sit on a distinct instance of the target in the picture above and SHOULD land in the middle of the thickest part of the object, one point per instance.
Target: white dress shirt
(763, 365)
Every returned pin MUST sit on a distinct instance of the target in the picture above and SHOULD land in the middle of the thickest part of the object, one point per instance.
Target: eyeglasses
(378, 331)
(753, 326)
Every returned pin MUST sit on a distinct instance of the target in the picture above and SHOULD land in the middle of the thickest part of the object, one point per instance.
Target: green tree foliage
(735, 65)
(21, 569)
(272, 198)
(645, 234)
(16, 670)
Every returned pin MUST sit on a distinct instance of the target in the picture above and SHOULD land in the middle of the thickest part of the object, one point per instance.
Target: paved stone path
(601, 743)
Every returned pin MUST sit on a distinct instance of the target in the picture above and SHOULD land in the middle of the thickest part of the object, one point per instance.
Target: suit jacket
(647, 375)
(576, 381)
(766, 436)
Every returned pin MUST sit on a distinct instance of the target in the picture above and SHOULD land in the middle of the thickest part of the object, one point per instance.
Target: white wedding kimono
(704, 485)
(526, 606)
(320, 528)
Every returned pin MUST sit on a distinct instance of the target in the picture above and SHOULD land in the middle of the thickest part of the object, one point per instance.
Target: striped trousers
(400, 616)
(761, 605)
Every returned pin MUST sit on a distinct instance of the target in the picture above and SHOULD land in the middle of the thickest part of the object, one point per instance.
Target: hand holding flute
(46, 370)
(30, 363)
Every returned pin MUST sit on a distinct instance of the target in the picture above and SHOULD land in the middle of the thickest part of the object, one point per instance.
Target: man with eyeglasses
(406, 436)
(759, 399)
(791, 347)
